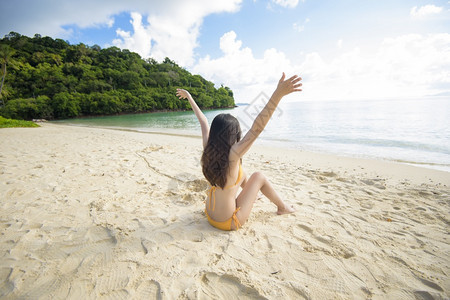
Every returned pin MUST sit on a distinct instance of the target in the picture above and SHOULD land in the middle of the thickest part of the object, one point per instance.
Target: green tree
(64, 106)
(6, 53)
(59, 80)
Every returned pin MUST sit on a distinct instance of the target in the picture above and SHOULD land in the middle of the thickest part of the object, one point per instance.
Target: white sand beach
(89, 213)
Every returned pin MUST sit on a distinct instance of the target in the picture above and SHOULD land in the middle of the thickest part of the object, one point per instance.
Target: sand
(90, 213)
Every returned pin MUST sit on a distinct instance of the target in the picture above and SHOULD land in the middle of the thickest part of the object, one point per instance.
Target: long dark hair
(225, 131)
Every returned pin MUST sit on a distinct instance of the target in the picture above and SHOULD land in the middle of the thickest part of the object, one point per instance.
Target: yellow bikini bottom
(225, 225)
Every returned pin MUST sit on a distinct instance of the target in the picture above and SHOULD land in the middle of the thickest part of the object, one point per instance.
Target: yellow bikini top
(212, 190)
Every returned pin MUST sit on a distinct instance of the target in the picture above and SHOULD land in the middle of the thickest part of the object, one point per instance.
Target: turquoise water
(414, 131)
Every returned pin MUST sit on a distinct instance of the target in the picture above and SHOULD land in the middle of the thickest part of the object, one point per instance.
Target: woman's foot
(288, 209)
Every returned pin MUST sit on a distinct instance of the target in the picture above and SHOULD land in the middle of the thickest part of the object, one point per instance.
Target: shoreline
(264, 144)
(144, 112)
(92, 212)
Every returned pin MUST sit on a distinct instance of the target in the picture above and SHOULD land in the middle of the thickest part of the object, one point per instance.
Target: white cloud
(171, 30)
(48, 17)
(426, 10)
(228, 43)
(241, 71)
(140, 41)
(286, 3)
(405, 66)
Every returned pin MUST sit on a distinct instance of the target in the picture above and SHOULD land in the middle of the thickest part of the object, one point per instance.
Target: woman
(223, 150)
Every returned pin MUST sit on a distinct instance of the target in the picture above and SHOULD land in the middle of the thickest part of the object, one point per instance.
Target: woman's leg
(258, 182)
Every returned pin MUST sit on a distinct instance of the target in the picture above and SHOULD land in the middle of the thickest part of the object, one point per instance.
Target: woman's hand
(288, 86)
(183, 94)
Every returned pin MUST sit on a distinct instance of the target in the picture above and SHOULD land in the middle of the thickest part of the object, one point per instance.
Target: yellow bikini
(224, 225)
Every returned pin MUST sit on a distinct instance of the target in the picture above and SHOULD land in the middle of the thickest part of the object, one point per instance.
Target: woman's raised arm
(284, 88)
(183, 94)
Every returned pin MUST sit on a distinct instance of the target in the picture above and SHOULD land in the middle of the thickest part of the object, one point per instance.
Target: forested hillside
(51, 79)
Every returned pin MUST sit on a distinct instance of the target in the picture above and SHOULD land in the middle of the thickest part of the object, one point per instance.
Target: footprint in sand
(423, 295)
(162, 238)
(431, 284)
(306, 228)
(304, 282)
(329, 174)
(375, 183)
(47, 285)
(215, 286)
(113, 282)
(325, 177)
(149, 289)
(152, 149)
(7, 286)
(332, 246)
(262, 245)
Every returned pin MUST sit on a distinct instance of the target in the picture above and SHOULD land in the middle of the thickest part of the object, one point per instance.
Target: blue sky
(344, 50)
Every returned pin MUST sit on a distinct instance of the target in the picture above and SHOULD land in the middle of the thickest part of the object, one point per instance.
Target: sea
(415, 132)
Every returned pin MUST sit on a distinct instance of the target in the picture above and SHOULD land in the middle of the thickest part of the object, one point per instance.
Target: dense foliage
(50, 79)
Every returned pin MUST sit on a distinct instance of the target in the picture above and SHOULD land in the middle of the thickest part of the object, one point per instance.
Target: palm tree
(6, 53)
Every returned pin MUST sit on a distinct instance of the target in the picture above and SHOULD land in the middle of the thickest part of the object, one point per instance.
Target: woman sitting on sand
(223, 150)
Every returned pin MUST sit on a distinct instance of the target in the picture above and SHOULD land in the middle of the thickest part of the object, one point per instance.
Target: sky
(343, 49)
